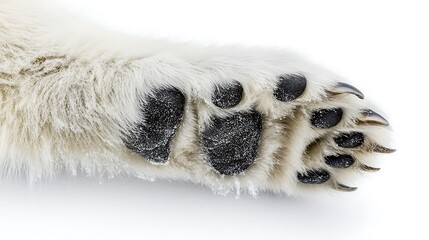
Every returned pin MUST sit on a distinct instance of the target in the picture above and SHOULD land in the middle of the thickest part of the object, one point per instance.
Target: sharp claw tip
(342, 87)
(369, 169)
(344, 188)
(380, 149)
(371, 117)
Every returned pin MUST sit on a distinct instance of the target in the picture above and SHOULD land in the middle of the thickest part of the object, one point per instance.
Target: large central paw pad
(231, 143)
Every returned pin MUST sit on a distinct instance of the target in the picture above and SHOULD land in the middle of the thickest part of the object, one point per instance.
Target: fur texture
(69, 93)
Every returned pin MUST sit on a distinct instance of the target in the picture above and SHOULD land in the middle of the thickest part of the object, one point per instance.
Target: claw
(344, 188)
(366, 168)
(371, 117)
(341, 88)
(380, 149)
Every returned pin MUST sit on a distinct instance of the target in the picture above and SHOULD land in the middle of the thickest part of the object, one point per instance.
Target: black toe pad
(290, 87)
(339, 161)
(350, 140)
(314, 176)
(227, 96)
(162, 113)
(326, 118)
(231, 143)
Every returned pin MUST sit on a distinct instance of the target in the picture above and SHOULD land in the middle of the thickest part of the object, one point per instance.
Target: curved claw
(341, 88)
(366, 168)
(380, 149)
(344, 188)
(371, 117)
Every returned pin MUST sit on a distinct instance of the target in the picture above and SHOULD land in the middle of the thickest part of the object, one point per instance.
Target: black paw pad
(290, 87)
(339, 161)
(162, 113)
(326, 118)
(231, 143)
(350, 140)
(228, 96)
(314, 176)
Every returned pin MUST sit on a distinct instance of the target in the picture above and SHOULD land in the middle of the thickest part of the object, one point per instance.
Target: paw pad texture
(326, 118)
(228, 96)
(314, 176)
(290, 87)
(162, 113)
(350, 140)
(231, 143)
(340, 161)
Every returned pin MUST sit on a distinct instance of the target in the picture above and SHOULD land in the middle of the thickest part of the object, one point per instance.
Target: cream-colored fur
(69, 91)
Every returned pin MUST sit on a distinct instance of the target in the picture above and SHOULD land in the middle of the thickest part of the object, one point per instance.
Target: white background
(380, 46)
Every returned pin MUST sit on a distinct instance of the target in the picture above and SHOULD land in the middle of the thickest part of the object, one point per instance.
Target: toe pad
(350, 140)
(326, 118)
(313, 177)
(227, 96)
(340, 161)
(290, 87)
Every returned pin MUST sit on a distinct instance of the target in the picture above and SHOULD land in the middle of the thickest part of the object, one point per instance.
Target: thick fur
(69, 93)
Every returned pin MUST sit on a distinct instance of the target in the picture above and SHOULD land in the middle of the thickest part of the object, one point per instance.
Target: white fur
(69, 91)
